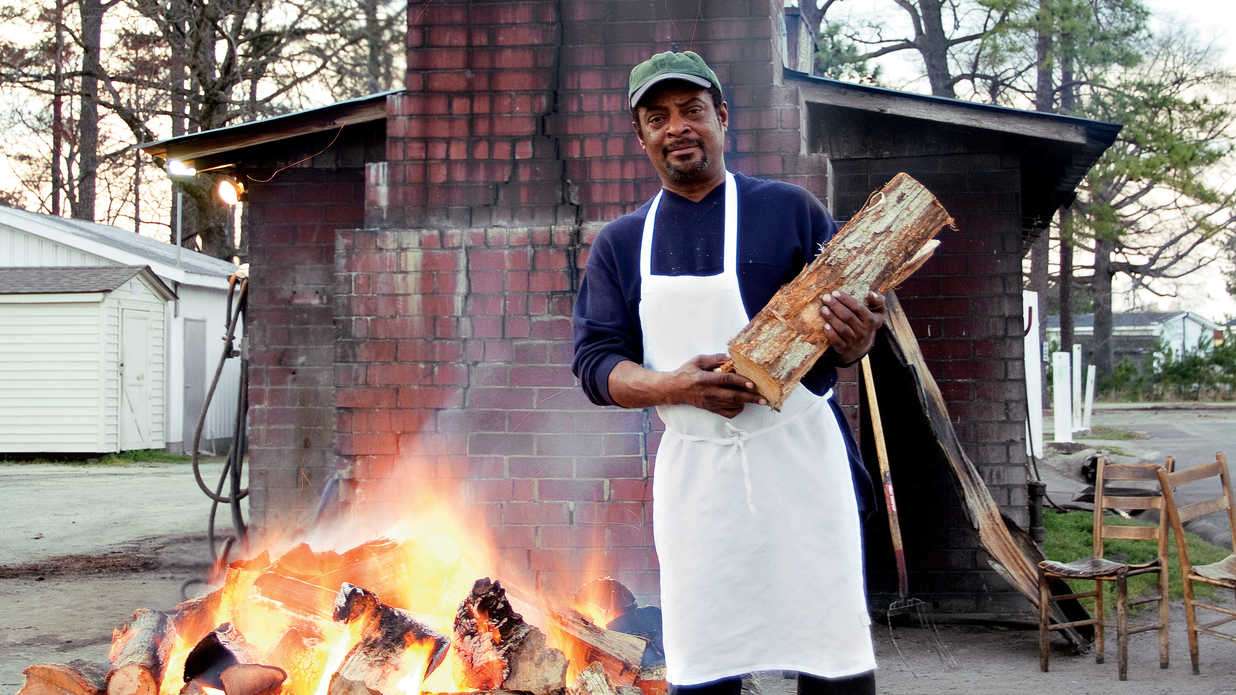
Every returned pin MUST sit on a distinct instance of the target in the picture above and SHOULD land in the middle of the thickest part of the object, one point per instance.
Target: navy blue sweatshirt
(781, 228)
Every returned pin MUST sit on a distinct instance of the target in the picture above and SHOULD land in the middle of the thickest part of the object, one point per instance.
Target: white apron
(754, 518)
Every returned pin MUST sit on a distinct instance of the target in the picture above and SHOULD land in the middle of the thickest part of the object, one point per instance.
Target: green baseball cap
(670, 65)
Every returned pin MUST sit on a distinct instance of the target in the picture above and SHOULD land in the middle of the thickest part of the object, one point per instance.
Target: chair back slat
(1189, 512)
(1131, 471)
(1132, 533)
(1132, 502)
(1194, 474)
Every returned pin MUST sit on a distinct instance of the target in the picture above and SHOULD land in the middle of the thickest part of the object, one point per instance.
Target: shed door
(195, 379)
(135, 425)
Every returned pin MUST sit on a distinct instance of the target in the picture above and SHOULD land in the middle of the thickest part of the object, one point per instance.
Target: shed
(192, 323)
(81, 366)
(1137, 335)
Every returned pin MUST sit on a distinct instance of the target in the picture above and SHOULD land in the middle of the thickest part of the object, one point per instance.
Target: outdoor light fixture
(229, 191)
(175, 167)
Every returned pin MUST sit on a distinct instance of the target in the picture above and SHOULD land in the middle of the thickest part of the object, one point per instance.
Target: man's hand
(698, 383)
(851, 326)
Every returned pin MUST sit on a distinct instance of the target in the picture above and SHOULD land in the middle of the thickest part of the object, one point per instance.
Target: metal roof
(188, 148)
(1059, 151)
(123, 247)
(74, 279)
(1130, 319)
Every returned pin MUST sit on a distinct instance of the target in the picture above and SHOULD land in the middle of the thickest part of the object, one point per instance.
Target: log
(499, 650)
(138, 653)
(620, 654)
(253, 679)
(73, 678)
(394, 649)
(593, 681)
(887, 235)
(296, 594)
(652, 681)
(605, 597)
(304, 655)
(220, 648)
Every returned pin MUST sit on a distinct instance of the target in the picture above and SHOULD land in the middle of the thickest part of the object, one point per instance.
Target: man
(755, 517)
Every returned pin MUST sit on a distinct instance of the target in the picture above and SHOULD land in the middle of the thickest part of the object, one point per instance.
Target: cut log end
(134, 679)
(74, 678)
(253, 679)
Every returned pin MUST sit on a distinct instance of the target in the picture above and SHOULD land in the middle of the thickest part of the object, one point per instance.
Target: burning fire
(283, 602)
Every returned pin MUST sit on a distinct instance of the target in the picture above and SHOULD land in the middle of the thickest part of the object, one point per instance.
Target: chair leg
(1122, 625)
(1099, 625)
(1191, 619)
(1044, 618)
(1164, 616)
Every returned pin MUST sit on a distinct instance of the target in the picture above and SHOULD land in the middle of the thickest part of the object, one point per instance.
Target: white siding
(50, 372)
(20, 249)
(136, 295)
(209, 304)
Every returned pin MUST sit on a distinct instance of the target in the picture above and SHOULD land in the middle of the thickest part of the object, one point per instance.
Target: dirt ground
(132, 535)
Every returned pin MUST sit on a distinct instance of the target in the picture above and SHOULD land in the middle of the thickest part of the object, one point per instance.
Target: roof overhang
(208, 144)
(1069, 146)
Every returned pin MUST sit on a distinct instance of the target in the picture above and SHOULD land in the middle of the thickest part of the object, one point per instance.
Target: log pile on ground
(881, 246)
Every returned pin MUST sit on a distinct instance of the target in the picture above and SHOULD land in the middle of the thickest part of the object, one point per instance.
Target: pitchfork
(904, 604)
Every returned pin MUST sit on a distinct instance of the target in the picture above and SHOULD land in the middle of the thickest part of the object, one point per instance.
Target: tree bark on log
(499, 650)
(620, 654)
(138, 653)
(73, 678)
(885, 237)
(394, 647)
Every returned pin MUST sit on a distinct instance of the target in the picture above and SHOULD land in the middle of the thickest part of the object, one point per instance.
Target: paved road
(48, 510)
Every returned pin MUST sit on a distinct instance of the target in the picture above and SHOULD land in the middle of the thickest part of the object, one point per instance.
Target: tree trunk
(375, 49)
(933, 44)
(1040, 251)
(1065, 279)
(1102, 285)
(88, 113)
(57, 111)
(1067, 101)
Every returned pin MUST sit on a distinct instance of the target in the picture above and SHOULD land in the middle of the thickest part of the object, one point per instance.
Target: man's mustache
(683, 144)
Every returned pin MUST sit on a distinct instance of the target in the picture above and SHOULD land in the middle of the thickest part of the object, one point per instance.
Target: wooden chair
(1222, 573)
(1100, 569)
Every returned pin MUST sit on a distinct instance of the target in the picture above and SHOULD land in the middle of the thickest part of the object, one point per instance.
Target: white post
(1090, 375)
(1062, 406)
(1077, 387)
(1033, 362)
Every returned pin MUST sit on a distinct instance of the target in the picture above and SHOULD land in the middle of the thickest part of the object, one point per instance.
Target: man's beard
(688, 173)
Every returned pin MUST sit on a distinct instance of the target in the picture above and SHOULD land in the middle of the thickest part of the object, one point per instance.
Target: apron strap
(645, 245)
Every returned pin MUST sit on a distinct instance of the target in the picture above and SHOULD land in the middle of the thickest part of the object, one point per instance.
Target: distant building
(143, 341)
(1137, 334)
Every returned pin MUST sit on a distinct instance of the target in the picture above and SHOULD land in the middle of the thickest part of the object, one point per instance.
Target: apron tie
(738, 437)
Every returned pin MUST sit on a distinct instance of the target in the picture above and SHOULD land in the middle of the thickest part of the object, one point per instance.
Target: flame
(281, 599)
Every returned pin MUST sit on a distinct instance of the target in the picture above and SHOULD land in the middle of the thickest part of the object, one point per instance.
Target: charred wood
(620, 654)
(393, 647)
(499, 650)
(219, 649)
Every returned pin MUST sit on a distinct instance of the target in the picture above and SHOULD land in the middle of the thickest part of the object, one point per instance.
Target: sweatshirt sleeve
(606, 327)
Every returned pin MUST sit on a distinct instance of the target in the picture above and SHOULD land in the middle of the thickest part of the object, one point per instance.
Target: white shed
(193, 322)
(81, 365)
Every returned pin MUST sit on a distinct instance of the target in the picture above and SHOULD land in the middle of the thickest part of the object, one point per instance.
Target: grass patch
(1069, 537)
(123, 458)
(1111, 434)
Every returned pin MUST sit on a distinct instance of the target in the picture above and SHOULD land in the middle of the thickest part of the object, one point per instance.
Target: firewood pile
(338, 637)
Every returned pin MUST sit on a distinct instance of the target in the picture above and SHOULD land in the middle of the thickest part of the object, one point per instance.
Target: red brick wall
(291, 335)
